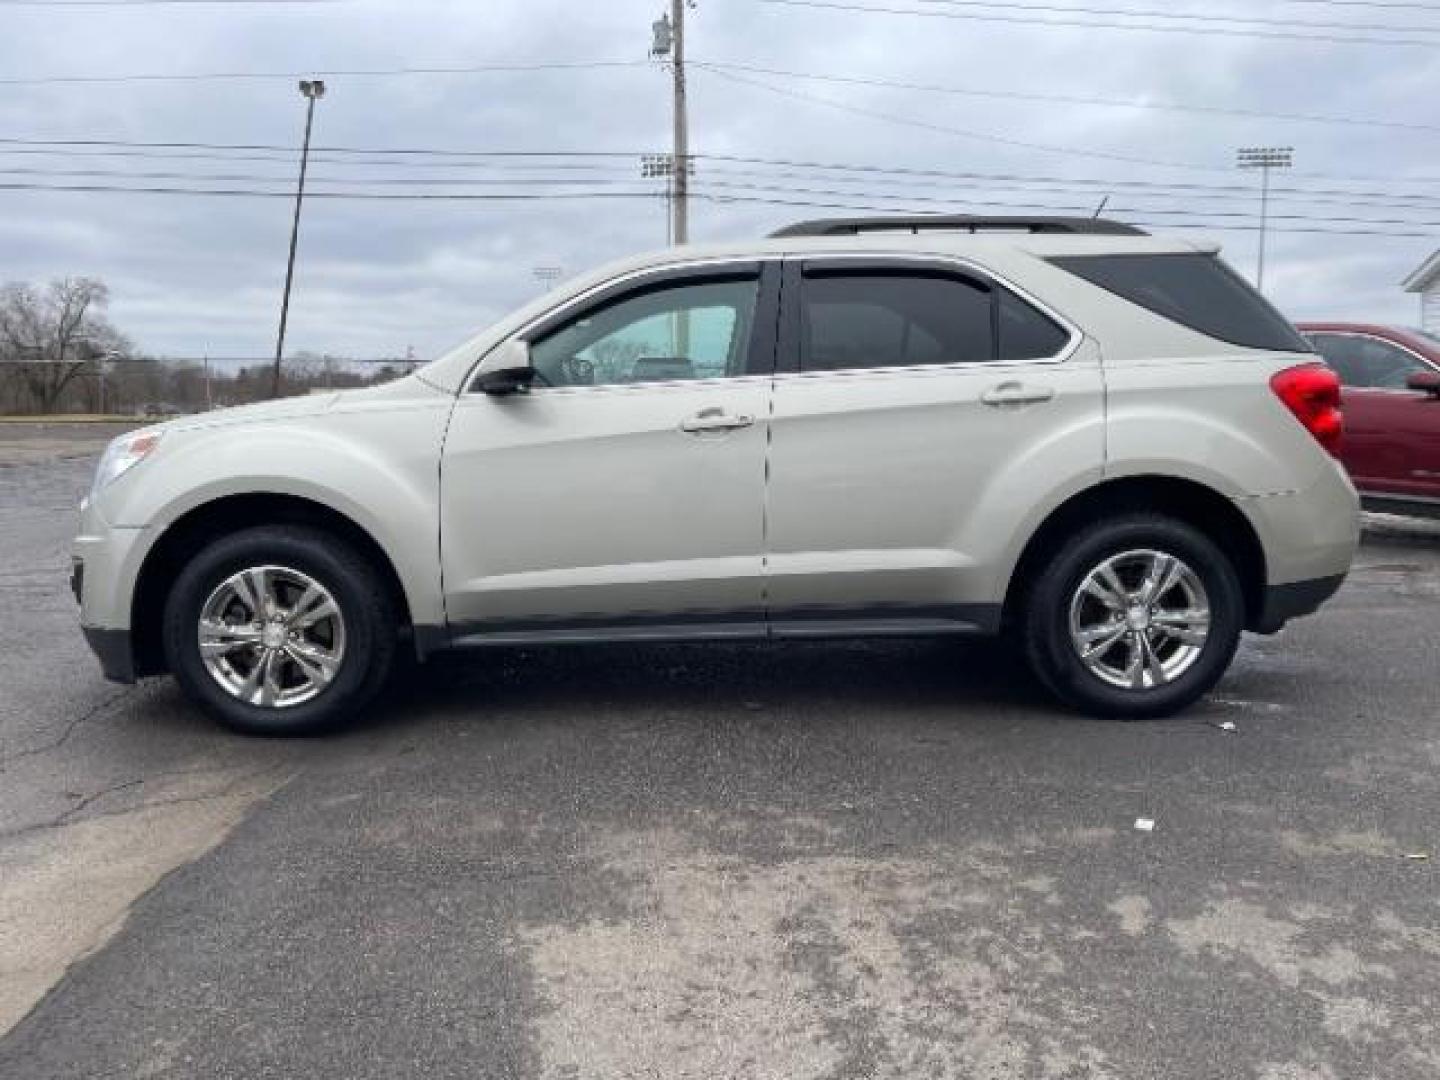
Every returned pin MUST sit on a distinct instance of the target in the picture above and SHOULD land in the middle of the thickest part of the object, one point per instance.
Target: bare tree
(53, 335)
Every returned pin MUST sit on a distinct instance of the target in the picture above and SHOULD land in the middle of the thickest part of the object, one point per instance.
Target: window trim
(1425, 361)
(787, 357)
(759, 351)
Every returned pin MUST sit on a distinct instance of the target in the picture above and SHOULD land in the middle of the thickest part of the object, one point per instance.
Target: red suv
(1391, 378)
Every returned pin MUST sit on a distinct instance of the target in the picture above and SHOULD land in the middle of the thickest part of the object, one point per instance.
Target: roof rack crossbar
(854, 226)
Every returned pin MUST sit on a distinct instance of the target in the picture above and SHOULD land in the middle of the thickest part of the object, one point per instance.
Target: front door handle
(1012, 394)
(715, 419)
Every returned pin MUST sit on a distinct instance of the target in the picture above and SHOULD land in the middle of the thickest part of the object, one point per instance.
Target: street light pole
(1263, 158)
(312, 91)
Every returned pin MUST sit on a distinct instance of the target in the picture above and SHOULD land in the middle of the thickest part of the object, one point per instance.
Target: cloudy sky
(1014, 106)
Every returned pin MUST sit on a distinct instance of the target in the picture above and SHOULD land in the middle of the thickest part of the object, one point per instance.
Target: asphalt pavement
(885, 859)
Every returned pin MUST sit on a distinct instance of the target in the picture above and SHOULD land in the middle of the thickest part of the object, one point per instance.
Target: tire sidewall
(1048, 632)
(313, 553)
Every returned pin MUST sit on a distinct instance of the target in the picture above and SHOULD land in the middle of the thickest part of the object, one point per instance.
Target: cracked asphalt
(819, 860)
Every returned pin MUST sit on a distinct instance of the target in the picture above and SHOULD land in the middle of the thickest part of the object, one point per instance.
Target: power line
(1069, 151)
(939, 180)
(1237, 215)
(1099, 181)
(1097, 24)
(509, 196)
(588, 65)
(751, 194)
(722, 65)
(1145, 190)
(872, 208)
(926, 125)
(152, 3)
(521, 161)
(419, 157)
(206, 76)
(1121, 103)
(275, 158)
(1180, 16)
(284, 149)
(1064, 99)
(1413, 5)
(251, 178)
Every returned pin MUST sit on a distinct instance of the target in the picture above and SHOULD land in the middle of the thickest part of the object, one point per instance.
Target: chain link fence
(176, 385)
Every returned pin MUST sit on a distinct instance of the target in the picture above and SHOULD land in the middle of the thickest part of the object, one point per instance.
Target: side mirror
(506, 369)
(1427, 382)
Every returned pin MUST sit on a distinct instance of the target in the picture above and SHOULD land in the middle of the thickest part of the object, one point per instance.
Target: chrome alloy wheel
(1140, 619)
(271, 636)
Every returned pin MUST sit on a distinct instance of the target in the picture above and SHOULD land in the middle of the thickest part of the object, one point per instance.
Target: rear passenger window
(909, 318)
(876, 320)
(1197, 291)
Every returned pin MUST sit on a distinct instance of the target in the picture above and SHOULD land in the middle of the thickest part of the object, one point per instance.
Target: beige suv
(1103, 441)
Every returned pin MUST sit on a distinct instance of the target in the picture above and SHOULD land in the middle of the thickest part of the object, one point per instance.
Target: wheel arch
(1190, 501)
(230, 513)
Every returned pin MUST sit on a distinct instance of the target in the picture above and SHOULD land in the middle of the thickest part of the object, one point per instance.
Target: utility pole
(661, 166)
(669, 40)
(681, 179)
(1263, 158)
(312, 91)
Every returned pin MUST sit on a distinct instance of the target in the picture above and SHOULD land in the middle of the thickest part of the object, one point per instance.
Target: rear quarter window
(1197, 291)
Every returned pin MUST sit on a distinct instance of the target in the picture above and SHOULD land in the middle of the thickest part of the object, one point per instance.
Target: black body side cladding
(1293, 599)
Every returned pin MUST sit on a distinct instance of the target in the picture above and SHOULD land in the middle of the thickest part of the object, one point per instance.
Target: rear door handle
(715, 419)
(1016, 393)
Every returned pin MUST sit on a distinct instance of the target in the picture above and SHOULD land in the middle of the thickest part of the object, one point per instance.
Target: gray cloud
(193, 275)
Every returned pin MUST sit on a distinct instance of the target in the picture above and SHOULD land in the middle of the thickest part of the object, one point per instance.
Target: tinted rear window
(1195, 290)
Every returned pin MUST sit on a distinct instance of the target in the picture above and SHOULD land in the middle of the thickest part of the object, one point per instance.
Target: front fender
(379, 469)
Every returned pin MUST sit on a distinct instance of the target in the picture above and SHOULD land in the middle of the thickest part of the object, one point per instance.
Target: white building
(1425, 280)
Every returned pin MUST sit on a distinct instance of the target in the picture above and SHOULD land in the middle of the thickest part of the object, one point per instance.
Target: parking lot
(852, 859)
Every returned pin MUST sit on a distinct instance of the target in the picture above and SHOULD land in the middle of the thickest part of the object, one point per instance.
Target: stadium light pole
(1263, 158)
(312, 90)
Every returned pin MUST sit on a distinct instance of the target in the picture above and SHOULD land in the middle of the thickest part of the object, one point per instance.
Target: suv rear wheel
(1135, 616)
(279, 630)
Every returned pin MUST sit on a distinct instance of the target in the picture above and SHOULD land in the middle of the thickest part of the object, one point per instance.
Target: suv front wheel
(279, 630)
(1132, 617)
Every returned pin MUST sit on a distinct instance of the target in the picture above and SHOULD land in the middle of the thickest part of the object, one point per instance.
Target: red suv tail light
(1312, 393)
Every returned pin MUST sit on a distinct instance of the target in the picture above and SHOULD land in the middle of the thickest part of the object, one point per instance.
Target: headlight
(122, 455)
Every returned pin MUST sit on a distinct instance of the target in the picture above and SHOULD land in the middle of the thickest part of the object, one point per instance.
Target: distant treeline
(60, 354)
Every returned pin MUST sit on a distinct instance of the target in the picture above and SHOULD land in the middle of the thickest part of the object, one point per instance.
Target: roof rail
(854, 226)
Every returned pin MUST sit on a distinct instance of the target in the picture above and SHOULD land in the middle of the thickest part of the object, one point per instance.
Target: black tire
(358, 590)
(1045, 617)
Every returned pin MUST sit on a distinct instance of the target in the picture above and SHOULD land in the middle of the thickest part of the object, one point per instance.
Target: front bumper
(105, 563)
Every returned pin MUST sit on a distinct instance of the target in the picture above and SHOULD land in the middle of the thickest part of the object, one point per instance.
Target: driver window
(1367, 363)
(679, 332)
(1388, 366)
